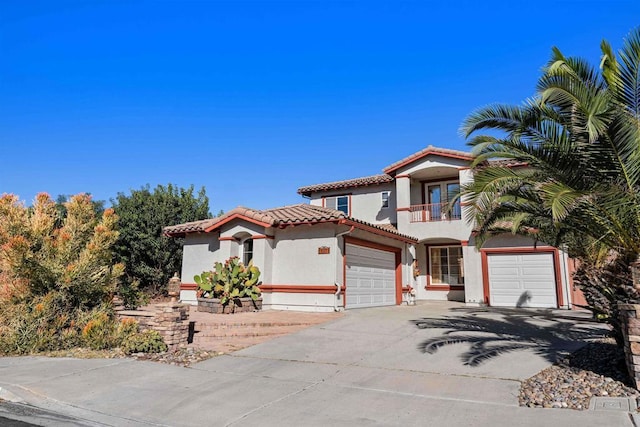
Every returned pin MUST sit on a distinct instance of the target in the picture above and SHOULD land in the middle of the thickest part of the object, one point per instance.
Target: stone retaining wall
(239, 305)
(630, 321)
(171, 320)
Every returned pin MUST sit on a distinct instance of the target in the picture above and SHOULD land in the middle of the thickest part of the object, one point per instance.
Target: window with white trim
(340, 203)
(247, 251)
(446, 265)
(385, 199)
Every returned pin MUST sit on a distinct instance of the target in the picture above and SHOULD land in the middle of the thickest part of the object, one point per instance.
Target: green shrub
(99, 332)
(144, 342)
(57, 276)
(126, 328)
(132, 296)
(37, 325)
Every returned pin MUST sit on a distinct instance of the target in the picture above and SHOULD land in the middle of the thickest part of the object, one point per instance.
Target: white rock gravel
(598, 369)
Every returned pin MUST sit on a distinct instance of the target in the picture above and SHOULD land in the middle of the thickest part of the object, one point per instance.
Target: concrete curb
(9, 396)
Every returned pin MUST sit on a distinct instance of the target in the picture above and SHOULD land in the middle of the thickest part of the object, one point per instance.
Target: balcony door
(434, 199)
(438, 195)
(453, 189)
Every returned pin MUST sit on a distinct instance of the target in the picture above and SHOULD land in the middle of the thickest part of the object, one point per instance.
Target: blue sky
(255, 99)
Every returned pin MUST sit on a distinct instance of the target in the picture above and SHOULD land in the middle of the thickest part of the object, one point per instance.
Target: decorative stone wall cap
(136, 313)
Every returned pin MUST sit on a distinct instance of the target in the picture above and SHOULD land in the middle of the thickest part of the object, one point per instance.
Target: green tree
(579, 138)
(151, 258)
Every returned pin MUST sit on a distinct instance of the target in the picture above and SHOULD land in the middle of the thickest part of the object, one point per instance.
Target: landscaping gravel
(597, 369)
(181, 357)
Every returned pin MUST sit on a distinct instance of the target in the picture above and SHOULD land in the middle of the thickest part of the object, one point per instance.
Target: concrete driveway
(434, 364)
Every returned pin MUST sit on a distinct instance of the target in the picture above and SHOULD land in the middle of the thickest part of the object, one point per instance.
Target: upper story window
(340, 203)
(385, 199)
(247, 251)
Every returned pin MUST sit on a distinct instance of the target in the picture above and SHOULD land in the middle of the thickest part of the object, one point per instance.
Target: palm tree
(579, 137)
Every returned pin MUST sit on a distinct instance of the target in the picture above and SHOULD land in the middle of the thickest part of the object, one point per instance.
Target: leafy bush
(132, 296)
(144, 342)
(57, 276)
(44, 324)
(126, 328)
(99, 333)
(42, 254)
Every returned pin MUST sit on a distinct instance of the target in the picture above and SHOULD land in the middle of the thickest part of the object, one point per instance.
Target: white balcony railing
(434, 212)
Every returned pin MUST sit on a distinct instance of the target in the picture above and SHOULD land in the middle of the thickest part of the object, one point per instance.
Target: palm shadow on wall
(491, 332)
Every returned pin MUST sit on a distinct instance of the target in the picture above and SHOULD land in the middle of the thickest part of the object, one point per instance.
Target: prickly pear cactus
(230, 281)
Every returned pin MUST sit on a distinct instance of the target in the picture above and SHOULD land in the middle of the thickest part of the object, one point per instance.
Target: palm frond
(629, 73)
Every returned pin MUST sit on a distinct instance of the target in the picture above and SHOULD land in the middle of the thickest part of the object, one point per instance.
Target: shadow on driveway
(491, 332)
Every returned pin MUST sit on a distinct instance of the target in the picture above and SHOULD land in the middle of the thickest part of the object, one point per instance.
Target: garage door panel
(371, 279)
(507, 273)
(539, 258)
(537, 274)
(540, 286)
(500, 261)
(505, 299)
(522, 280)
(507, 285)
(370, 264)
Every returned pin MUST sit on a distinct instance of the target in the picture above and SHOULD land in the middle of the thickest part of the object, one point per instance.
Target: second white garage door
(522, 280)
(371, 277)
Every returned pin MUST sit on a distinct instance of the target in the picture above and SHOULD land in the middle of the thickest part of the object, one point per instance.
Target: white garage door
(371, 277)
(522, 280)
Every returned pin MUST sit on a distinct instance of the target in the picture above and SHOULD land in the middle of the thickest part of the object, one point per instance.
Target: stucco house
(367, 241)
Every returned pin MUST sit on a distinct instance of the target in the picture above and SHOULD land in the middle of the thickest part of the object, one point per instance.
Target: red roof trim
(365, 181)
(236, 216)
(378, 231)
(429, 151)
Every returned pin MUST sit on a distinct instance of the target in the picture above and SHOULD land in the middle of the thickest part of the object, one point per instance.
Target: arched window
(247, 251)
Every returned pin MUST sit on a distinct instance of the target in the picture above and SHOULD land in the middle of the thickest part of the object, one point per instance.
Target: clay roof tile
(281, 216)
(347, 183)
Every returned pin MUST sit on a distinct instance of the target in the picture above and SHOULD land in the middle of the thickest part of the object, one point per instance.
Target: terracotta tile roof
(206, 224)
(389, 227)
(423, 153)
(189, 227)
(282, 216)
(348, 183)
(506, 163)
(303, 213)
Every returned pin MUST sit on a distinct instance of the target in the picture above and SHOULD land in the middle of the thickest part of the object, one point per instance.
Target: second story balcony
(433, 212)
(426, 210)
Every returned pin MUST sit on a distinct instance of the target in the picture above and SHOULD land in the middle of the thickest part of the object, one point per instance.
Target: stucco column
(263, 258)
(403, 202)
(466, 177)
(473, 285)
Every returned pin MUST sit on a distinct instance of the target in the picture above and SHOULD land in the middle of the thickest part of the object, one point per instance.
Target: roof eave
(392, 169)
(307, 191)
(379, 231)
(237, 216)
